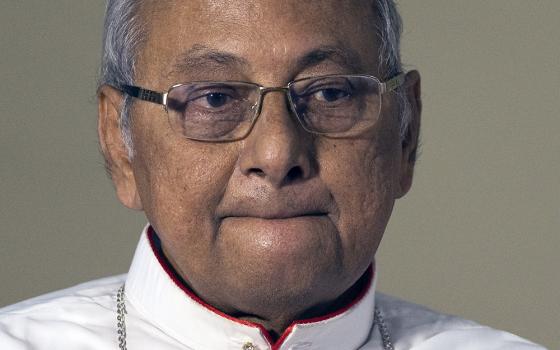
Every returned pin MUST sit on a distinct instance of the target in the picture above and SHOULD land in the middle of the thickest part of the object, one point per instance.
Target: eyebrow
(200, 57)
(342, 56)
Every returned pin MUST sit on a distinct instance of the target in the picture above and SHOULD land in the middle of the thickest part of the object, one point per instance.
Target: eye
(213, 100)
(330, 94)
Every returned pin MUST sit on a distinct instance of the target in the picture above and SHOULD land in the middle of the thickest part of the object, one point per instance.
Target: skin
(280, 225)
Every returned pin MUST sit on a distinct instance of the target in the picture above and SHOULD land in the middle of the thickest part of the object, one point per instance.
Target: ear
(117, 162)
(409, 143)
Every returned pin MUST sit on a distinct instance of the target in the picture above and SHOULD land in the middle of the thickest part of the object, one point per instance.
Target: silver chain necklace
(121, 325)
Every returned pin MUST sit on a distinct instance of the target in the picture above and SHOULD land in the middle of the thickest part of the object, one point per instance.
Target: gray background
(477, 235)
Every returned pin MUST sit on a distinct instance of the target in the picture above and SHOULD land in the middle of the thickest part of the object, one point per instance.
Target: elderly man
(266, 141)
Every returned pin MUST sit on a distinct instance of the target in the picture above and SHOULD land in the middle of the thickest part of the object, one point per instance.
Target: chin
(274, 281)
(279, 243)
(290, 288)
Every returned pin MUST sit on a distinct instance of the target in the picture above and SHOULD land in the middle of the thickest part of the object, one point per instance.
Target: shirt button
(249, 346)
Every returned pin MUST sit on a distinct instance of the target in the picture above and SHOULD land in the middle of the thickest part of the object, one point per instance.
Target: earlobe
(117, 161)
(409, 143)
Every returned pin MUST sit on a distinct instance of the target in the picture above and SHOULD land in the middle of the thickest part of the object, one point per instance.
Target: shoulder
(53, 320)
(416, 327)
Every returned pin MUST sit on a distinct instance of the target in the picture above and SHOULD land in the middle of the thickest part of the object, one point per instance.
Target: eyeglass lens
(226, 110)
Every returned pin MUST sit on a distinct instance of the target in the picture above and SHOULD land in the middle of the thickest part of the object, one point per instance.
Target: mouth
(297, 203)
(277, 216)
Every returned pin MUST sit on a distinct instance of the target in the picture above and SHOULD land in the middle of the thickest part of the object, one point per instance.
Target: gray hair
(124, 33)
(389, 31)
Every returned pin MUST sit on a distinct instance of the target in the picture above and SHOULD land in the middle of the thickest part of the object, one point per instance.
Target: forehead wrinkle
(203, 58)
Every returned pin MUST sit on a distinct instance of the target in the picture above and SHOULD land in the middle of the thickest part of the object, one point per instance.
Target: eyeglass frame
(160, 98)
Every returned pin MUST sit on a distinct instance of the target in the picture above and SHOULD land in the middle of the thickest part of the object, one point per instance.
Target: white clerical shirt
(163, 314)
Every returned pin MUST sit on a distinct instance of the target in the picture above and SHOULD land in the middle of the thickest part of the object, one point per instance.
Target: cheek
(181, 183)
(365, 203)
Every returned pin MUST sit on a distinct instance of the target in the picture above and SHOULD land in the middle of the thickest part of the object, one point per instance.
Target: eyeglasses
(333, 105)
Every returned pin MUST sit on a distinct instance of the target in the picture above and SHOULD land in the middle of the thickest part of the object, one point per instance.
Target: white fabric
(162, 316)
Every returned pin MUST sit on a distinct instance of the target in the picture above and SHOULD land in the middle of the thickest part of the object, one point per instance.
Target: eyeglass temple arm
(145, 94)
(393, 83)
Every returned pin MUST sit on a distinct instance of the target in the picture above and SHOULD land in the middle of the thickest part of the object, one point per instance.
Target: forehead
(263, 35)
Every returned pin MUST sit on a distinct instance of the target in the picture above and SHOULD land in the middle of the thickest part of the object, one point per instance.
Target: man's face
(282, 216)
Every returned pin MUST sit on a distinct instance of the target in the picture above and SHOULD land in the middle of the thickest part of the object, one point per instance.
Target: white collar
(153, 289)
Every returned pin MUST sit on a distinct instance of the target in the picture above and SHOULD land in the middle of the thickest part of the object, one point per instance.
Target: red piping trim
(166, 265)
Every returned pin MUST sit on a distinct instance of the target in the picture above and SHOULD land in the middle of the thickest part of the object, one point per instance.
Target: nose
(277, 150)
